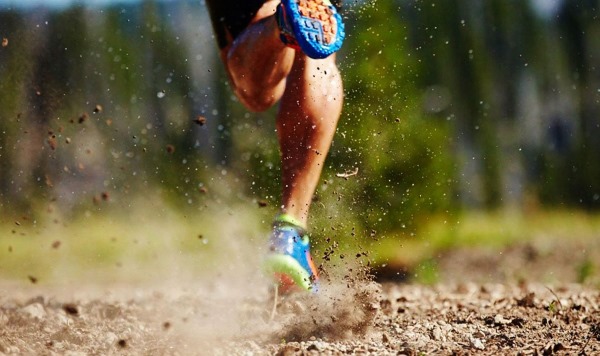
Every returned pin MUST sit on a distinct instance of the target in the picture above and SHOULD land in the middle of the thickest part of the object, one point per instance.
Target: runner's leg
(258, 62)
(306, 122)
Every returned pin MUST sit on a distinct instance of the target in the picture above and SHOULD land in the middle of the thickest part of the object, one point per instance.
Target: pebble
(477, 343)
(110, 339)
(34, 310)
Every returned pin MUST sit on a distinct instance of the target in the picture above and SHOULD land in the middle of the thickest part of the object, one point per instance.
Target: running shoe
(289, 259)
(312, 26)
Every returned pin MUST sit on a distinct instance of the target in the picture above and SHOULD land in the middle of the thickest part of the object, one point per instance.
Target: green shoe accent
(284, 264)
(286, 218)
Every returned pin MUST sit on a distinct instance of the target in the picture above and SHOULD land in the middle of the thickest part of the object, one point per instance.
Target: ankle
(285, 218)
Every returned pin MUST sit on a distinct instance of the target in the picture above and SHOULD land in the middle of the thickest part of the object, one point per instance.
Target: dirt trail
(398, 319)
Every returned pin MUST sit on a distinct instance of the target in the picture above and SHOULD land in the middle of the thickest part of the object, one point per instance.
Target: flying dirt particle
(56, 244)
(71, 309)
(52, 142)
(98, 109)
(170, 149)
(122, 343)
(108, 122)
(200, 120)
(347, 174)
(83, 118)
(203, 190)
(10, 249)
(105, 196)
(4, 42)
(67, 140)
(17, 223)
(262, 203)
(32, 279)
(166, 325)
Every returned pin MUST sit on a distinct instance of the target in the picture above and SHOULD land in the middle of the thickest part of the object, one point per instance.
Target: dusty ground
(402, 319)
(500, 312)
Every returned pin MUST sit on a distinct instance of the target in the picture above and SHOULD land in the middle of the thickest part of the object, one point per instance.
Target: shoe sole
(316, 25)
(288, 272)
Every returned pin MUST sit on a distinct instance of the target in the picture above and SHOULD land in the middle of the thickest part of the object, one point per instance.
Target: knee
(256, 101)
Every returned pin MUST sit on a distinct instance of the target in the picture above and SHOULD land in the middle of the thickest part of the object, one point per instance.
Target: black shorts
(230, 17)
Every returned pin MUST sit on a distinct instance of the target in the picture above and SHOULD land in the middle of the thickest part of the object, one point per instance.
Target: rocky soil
(527, 319)
(525, 302)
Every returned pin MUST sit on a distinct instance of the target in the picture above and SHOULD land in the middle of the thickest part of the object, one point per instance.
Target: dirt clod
(200, 120)
(4, 42)
(71, 309)
(83, 117)
(527, 301)
(52, 143)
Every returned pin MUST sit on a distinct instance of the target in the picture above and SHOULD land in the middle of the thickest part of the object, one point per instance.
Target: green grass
(492, 229)
(150, 239)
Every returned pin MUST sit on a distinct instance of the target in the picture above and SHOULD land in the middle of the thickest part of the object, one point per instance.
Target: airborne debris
(200, 120)
(98, 109)
(56, 244)
(347, 174)
(170, 149)
(71, 309)
(4, 42)
(32, 279)
(83, 118)
(52, 142)
(262, 203)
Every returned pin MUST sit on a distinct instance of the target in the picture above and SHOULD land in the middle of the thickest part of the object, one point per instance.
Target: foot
(311, 26)
(289, 259)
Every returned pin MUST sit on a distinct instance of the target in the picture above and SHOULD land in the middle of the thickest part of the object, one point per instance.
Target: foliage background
(451, 107)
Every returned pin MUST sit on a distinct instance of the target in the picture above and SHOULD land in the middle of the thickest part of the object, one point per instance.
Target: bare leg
(258, 62)
(306, 122)
(263, 71)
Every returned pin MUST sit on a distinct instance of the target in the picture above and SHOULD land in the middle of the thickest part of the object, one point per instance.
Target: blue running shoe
(289, 259)
(312, 26)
